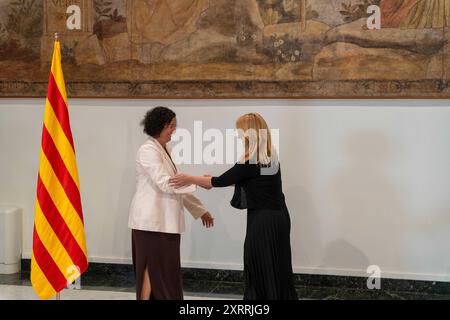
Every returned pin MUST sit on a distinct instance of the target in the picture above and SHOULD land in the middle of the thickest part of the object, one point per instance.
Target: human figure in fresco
(169, 21)
(415, 14)
(155, 24)
(163, 21)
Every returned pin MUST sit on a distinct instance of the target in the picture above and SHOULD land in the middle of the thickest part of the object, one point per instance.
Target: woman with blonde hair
(258, 188)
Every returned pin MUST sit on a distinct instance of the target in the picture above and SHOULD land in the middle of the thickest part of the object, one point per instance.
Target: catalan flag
(59, 246)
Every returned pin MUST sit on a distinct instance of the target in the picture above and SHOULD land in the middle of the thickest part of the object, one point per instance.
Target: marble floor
(15, 292)
(105, 282)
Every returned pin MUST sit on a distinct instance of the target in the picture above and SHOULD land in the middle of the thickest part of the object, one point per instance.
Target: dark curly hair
(156, 119)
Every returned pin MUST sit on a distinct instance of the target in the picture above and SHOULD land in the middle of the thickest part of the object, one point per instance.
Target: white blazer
(156, 206)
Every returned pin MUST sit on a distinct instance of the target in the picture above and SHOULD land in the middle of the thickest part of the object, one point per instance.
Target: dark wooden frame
(361, 89)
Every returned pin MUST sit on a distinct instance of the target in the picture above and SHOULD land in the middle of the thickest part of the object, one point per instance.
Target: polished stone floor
(26, 292)
(14, 292)
(102, 282)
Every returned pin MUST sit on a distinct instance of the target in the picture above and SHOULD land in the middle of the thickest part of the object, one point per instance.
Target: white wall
(367, 182)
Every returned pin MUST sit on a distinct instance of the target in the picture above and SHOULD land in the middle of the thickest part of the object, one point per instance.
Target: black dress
(267, 249)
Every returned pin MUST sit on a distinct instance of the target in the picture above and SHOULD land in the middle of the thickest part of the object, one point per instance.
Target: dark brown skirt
(160, 253)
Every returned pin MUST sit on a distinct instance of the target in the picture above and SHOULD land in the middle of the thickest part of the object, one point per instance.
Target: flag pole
(48, 249)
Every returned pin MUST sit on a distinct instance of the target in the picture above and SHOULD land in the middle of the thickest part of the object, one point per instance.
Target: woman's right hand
(207, 188)
(180, 180)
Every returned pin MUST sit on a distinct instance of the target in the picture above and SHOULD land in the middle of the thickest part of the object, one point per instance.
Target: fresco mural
(228, 48)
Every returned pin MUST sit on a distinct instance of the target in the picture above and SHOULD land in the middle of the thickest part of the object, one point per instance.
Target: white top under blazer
(156, 206)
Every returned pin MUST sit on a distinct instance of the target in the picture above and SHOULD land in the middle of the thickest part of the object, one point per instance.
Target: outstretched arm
(236, 174)
(183, 179)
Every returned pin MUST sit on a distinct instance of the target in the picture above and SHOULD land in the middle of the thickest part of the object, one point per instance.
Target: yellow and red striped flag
(59, 246)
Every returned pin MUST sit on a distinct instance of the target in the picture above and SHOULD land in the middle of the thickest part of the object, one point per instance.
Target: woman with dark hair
(156, 214)
(258, 188)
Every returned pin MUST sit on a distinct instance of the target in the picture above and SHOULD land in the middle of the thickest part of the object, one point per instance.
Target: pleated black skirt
(267, 256)
(160, 254)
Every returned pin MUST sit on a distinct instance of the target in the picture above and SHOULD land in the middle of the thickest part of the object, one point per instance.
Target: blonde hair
(257, 139)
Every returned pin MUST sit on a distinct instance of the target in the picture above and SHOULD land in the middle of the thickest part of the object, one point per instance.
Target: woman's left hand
(207, 220)
(180, 180)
